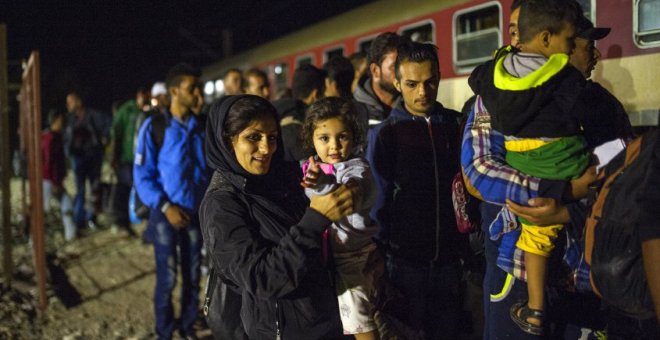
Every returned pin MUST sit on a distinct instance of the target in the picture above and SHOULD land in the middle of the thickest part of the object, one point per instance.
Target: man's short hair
(306, 79)
(237, 70)
(516, 3)
(176, 73)
(383, 44)
(76, 94)
(540, 15)
(417, 53)
(341, 71)
(254, 72)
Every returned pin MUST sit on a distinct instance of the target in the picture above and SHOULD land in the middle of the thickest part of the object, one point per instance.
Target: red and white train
(467, 32)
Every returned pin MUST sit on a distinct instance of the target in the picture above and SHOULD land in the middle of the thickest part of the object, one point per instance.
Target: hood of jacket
(516, 96)
(290, 107)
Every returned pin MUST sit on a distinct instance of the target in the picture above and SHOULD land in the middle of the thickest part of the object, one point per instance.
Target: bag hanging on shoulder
(612, 245)
(466, 207)
(221, 304)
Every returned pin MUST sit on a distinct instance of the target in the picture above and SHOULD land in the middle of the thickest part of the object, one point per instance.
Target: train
(467, 33)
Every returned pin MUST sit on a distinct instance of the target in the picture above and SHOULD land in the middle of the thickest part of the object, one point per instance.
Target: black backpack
(628, 201)
(159, 123)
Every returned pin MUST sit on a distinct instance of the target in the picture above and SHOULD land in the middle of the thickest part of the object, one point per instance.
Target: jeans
(85, 169)
(567, 315)
(167, 240)
(432, 292)
(66, 208)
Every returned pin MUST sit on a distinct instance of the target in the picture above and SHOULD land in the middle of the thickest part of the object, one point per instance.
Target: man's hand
(312, 175)
(177, 217)
(541, 211)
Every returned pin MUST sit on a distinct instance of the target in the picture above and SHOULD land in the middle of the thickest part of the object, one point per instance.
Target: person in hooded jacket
(263, 236)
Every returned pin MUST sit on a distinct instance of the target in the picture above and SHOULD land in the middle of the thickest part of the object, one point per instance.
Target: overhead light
(208, 88)
(219, 86)
(278, 69)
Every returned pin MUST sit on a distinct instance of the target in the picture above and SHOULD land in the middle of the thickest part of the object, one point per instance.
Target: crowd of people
(331, 211)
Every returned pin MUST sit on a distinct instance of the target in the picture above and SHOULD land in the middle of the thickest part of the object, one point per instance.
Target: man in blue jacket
(414, 156)
(170, 179)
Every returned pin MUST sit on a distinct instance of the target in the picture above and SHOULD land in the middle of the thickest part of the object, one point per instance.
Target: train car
(466, 33)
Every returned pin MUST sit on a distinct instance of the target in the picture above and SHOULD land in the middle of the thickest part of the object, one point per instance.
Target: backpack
(159, 123)
(222, 298)
(627, 201)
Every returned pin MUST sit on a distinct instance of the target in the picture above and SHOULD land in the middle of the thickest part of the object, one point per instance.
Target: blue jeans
(167, 239)
(432, 292)
(85, 169)
(568, 315)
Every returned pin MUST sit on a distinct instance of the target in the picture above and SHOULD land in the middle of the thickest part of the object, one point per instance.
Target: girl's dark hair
(332, 107)
(242, 112)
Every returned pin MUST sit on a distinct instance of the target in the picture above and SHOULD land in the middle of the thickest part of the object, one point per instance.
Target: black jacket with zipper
(414, 160)
(272, 254)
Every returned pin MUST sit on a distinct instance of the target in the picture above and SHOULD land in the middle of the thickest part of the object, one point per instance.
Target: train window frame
(592, 10)
(333, 48)
(459, 66)
(637, 35)
(361, 40)
(419, 24)
(309, 55)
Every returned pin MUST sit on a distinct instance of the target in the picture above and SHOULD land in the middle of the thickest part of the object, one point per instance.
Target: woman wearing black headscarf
(261, 232)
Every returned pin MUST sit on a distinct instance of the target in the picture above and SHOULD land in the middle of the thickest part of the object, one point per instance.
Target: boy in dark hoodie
(535, 98)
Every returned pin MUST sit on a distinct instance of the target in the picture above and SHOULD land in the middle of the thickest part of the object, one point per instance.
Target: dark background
(107, 49)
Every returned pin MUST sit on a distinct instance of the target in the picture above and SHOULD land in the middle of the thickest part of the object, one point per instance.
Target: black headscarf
(283, 178)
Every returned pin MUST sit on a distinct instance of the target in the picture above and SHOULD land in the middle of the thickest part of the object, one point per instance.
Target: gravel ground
(100, 286)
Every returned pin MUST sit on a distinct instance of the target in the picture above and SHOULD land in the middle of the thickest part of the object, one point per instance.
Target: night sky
(107, 49)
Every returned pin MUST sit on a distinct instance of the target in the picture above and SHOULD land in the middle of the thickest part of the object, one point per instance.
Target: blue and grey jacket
(176, 173)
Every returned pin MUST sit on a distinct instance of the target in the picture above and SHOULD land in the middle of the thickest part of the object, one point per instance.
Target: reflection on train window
(304, 60)
(332, 52)
(423, 32)
(281, 72)
(589, 9)
(477, 34)
(646, 21)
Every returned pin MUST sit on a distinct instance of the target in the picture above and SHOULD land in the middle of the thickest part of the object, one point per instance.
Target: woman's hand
(336, 204)
(541, 211)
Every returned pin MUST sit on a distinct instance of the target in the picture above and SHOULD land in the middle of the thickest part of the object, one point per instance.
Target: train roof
(363, 19)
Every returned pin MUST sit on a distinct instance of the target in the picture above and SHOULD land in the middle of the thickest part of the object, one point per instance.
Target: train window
(646, 21)
(363, 44)
(589, 9)
(332, 52)
(423, 32)
(304, 60)
(281, 72)
(477, 34)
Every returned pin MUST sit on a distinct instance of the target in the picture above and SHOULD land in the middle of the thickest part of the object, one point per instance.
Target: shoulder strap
(158, 125)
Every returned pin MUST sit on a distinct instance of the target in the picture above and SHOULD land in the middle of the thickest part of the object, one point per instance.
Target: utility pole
(7, 263)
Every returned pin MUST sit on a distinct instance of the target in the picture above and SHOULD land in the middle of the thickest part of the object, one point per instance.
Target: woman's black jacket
(273, 258)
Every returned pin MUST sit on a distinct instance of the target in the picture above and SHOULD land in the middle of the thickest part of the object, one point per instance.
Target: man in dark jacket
(414, 155)
(307, 86)
(85, 137)
(377, 91)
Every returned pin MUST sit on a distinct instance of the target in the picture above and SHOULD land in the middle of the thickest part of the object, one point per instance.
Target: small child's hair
(539, 15)
(327, 108)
